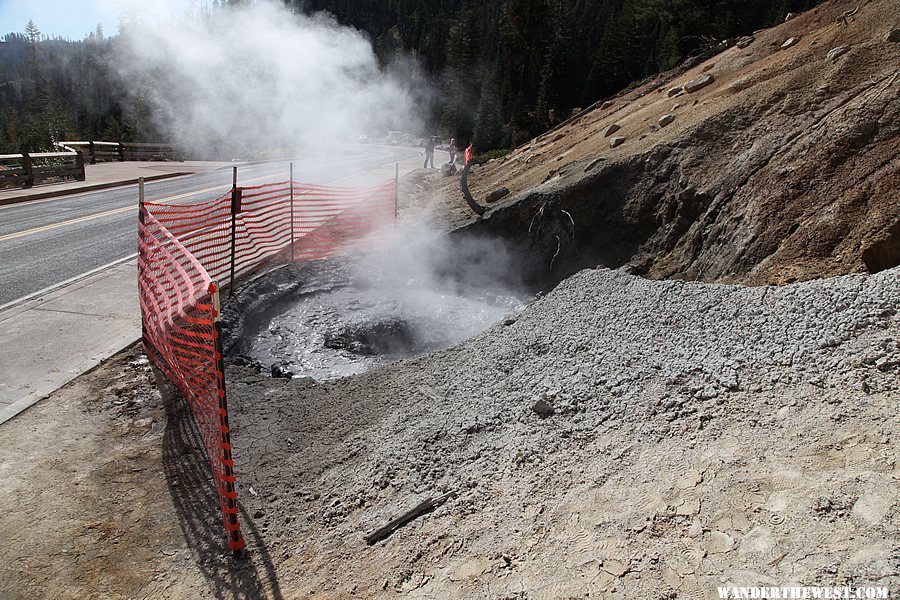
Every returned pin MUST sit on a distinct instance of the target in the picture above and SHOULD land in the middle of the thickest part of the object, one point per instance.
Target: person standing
(452, 150)
(429, 152)
(470, 153)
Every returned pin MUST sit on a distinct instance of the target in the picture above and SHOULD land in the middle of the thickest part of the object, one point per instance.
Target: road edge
(89, 188)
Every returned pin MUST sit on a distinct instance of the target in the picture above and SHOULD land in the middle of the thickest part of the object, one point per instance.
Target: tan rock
(666, 120)
(791, 41)
(611, 130)
(616, 141)
(698, 84)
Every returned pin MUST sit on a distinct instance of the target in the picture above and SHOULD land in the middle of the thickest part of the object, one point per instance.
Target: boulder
(611, 130)
(698, 84)
(606, 105)
(616, 141)
(791, 41)
(893, 36)
(789, 16)
(675, 91)
(745, 41)
(666, 120)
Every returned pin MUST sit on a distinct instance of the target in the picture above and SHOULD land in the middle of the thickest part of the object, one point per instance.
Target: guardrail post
(396, 191)
(121, 152)
(292, 212)
(93, 152)
(79, 164)
(29, 170)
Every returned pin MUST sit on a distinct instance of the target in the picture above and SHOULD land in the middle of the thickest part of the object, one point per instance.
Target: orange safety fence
(186, 252)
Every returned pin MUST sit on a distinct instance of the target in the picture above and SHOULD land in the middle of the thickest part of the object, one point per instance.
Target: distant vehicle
(363, 139)
(407, 139)
(393, 137)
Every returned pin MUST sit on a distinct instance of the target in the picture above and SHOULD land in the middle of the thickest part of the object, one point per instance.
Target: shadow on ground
(190, 482)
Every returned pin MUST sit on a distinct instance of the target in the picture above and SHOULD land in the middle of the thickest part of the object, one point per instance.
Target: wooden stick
(395, 524)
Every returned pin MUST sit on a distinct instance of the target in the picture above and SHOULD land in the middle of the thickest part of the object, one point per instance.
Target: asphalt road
(44, 243)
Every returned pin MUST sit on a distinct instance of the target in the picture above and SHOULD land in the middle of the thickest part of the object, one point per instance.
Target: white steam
(259, 79)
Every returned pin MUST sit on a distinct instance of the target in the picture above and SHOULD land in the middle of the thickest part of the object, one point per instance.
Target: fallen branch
(395, 524)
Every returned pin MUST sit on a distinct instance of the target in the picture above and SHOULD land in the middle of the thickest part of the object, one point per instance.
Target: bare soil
(699, 434)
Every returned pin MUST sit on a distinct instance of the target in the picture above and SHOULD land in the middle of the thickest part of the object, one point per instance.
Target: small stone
(666, 120)
(745, 41)
(594, 163)
(676, 106)
(836, 52)
(893, 36)
(697, 84)
(258, 514)
(675, 91)
(611, 130)
(707, 68)
(789, 16)
(791, 41)
(616, 141)
(497, 194)
(606, 105)
(543, 408)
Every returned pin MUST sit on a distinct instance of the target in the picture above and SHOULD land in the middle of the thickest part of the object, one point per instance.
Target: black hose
(464, 185)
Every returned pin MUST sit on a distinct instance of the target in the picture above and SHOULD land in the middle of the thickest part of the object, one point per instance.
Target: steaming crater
(324, 321)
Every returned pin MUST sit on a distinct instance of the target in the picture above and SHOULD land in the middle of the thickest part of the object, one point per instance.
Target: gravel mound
(610, 382)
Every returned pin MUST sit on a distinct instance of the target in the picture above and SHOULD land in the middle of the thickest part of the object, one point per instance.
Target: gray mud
(696, 432)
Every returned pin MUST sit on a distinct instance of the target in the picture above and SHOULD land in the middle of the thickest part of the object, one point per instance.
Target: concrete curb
(89, 188)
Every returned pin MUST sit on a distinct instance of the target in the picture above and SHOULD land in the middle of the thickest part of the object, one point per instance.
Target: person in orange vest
(470, 153)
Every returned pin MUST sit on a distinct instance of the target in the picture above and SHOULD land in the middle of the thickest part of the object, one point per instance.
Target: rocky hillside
(773, 161)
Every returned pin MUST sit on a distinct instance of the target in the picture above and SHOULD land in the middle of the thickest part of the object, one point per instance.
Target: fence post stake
(121, 152)
(292, 211)
(234, 210)
(235, 540)
(29, 170)
(396, 190)
(93, 152)
(79, 164)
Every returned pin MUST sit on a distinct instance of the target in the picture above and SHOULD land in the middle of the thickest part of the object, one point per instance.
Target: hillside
(783, 169)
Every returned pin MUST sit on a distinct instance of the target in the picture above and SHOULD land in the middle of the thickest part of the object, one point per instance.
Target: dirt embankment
(784, 168)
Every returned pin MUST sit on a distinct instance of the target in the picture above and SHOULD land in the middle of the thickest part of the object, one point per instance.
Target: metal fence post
(93, 152)
(292, 212)
(235, 207)
(235, 540)
(396, 191)
(121, 152)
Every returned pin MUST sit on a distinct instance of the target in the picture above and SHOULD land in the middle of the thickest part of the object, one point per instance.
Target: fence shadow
(192, 487)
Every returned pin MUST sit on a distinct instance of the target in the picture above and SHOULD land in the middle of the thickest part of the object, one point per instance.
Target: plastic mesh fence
(186, 250)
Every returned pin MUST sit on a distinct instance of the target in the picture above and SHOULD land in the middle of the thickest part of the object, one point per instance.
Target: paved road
(46, 242)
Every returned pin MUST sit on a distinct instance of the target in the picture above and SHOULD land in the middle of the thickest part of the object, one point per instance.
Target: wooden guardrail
(27, 169)
(121, 151)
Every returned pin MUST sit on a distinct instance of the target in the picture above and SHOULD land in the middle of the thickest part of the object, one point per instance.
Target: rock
(666, 120)
(676, 106)
(611, 130)
(543, 408)
(594, 163)
(718, 542)
(557, 137)
(789, 16)
(606, 105)
(835, 52)
(893, 36)
(791, 41)
(279, 371)
(675, 91)
(745, 41)
(707, 68)
(497, 194)
(616, 141)
(698, 84)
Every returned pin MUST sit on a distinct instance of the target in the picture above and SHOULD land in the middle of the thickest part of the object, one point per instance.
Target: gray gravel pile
(605, 351)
